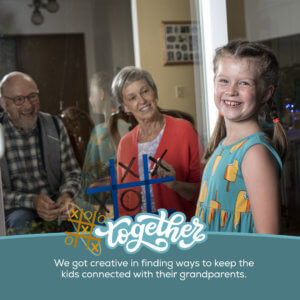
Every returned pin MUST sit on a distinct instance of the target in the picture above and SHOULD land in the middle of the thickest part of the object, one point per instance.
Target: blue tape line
(99, 189)
(161, 180)
(147, 184)
(114, 190)
(128, 185)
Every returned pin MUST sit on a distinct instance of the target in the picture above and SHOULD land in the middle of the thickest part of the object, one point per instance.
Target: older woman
(155, 133)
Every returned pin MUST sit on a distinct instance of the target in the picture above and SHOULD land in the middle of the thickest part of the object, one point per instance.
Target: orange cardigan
(183, 145)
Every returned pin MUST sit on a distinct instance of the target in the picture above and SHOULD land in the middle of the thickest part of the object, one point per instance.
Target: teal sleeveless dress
(223, 204)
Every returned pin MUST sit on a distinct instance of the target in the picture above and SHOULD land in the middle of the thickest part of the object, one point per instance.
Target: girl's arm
(261, 175)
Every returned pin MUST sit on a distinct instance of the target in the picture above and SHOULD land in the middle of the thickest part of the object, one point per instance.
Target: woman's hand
(186, 190)
(162, 173)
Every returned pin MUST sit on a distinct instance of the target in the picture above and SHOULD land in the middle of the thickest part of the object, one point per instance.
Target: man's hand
(46, 208)
(65, 204)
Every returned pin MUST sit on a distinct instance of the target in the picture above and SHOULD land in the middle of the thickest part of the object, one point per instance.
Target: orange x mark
(74, 213)
(84, 228)
(95, 247)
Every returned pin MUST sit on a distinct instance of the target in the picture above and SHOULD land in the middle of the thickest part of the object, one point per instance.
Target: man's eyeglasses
(20, 100)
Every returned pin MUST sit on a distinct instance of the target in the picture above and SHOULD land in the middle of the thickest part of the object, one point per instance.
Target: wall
(106, 25)
(266, 19)
(236, 19)
(150, 14)
(74, 16)
(112, 35)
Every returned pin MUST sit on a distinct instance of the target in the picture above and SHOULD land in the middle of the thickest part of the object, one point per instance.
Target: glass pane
(276, 24)
(63, 51)
(73, 55)
(199, 75)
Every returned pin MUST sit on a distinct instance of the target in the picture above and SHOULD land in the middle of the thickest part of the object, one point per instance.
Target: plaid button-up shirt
(28, 176)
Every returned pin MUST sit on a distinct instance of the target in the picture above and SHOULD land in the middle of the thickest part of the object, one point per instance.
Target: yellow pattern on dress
(230, 173)
(238, 146)
(216, 162)
(202, 197)
(223, 217)
(242, 205)
(213, 205)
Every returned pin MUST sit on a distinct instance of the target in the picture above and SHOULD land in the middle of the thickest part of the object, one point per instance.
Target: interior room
(63, 43)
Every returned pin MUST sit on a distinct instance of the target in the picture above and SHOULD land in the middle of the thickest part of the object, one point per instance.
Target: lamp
(51, 6)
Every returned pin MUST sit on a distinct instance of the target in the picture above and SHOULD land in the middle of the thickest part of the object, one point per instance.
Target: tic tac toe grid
(114, 187)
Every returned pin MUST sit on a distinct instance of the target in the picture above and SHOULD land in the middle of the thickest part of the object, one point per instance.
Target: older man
(39, 171)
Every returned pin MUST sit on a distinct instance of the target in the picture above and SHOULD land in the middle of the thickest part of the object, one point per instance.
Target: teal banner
(225, 266)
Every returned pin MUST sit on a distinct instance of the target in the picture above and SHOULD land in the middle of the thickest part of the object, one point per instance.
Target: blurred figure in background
(101, 147)
(100, 98)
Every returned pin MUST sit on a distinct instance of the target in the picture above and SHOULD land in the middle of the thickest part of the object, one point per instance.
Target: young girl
(240, 185)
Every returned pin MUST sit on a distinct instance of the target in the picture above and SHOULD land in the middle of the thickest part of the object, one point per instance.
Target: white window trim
(135, 31)
(212, 18)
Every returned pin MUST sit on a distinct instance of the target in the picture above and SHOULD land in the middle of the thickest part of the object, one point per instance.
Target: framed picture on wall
(179, 42)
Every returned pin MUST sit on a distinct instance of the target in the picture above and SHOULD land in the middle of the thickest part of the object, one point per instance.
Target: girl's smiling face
(239, 89)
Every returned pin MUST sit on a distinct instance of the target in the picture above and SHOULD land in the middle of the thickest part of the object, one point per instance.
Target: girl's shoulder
(237, 150)
(261, 147)
(248, 141)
